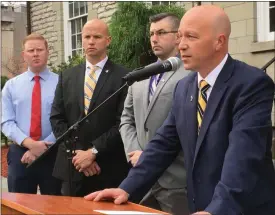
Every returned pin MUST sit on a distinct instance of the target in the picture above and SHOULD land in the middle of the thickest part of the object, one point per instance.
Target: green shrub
(4, 79)
(73, 61)
(129, 28)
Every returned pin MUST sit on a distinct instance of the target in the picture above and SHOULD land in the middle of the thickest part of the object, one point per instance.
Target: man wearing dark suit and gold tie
(100, 161)
(221, 118)
(146, 107)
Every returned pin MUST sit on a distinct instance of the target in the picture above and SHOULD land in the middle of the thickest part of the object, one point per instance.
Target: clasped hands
(84, 161)
(36, 148)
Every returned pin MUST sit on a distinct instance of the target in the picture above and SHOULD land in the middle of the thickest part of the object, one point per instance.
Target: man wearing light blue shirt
(26, 107)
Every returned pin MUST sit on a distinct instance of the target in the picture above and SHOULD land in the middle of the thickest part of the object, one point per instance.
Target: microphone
(139, 74)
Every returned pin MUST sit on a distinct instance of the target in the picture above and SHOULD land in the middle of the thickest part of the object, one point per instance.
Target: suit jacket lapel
(217, 92)
(190, 111)
(104, 75)
(146, 94)
(166, 76)
(80, 78)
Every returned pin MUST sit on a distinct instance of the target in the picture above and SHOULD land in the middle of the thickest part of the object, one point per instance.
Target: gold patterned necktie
(202, 101)
(89, 86)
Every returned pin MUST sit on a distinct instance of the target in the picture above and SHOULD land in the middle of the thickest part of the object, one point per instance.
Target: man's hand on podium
(83, 159)
(118, 195)
(202, 213)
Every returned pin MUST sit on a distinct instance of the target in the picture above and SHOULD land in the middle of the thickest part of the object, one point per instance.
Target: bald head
(211, 16)
(204, 34)
(97, 24)
(95, 40)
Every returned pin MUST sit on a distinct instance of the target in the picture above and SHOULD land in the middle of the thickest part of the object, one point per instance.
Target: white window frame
(263, 23)
(67, 30)
(161, 2)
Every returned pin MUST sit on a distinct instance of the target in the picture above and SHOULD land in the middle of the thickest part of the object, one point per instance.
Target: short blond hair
(34, 36)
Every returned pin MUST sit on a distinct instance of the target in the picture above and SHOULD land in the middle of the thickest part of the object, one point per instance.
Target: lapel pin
(107, 71)
(191, 98)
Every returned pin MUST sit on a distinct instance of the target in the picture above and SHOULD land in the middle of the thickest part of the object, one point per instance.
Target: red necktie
(35, 130)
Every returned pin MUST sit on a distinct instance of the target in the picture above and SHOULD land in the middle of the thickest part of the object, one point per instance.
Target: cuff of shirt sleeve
(20, 138)
(51, 138)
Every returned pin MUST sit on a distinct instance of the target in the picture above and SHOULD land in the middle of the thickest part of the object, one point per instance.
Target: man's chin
(187, 66)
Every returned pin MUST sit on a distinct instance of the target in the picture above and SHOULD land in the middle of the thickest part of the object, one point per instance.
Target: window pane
(78, 25)
(84, 20)
(79, 41)
(76, 8)
(272, 3)
(79, 52)
(165, 2)
(82, 6)
(73, 27)
(73, 53)
(272, 20)
(74, 42)
(71, 10)
(156, 2)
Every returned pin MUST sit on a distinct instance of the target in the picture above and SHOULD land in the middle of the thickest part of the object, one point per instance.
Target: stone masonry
(47, 19)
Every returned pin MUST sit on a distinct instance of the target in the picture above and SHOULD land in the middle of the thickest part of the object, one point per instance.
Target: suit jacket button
(194, 200)
(87, 121)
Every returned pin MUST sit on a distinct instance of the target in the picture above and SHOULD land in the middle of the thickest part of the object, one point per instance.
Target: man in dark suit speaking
(221, 117)
(100, 161)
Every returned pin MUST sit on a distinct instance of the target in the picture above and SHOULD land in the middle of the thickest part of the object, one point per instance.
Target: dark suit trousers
(26, 180)
(173, 201)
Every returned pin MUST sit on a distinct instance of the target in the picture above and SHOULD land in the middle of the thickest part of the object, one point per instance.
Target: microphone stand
(70, 138)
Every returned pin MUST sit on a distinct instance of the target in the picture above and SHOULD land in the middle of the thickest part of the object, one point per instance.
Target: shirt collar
(213, 75)
(43, 75)
(100, 64)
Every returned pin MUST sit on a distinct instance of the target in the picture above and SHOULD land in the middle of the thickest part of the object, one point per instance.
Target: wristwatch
(94, 151)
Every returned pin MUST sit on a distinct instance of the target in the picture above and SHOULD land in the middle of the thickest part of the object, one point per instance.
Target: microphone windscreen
(175, 62)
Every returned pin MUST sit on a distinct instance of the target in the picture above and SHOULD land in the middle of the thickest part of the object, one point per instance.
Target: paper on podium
(124, 212)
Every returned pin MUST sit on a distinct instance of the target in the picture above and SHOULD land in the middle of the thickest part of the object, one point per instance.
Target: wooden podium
(19, 203)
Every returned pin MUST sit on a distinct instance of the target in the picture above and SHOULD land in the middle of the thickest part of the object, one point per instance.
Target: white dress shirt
(100, 64)
(212, 76)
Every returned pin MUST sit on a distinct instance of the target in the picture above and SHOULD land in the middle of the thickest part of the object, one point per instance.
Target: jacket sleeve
(159, 153)
(58, 117)
(248, 144)
(128, 126)
(109, 140)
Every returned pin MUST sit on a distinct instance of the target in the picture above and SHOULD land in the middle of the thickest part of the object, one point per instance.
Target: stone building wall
(47, 19)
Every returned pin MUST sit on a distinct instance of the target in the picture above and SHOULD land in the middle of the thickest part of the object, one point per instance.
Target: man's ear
(109, 39)
(220, 43)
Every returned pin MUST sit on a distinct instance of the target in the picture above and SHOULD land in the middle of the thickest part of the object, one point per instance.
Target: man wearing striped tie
(221, 118)
(146, 107)
(100, 161)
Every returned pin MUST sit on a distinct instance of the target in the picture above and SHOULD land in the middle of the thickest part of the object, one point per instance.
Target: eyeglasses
(161, 33)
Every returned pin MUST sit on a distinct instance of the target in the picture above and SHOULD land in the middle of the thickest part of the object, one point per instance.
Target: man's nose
(154, 38)
(183, 45)
(91, 40)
